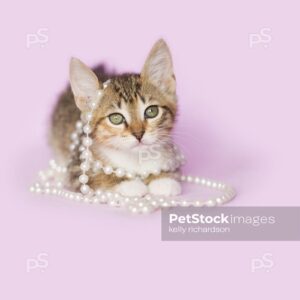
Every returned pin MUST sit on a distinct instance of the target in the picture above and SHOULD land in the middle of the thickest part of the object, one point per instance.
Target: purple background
(238, 122)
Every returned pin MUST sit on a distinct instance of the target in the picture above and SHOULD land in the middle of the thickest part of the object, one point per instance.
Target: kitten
(136, 116)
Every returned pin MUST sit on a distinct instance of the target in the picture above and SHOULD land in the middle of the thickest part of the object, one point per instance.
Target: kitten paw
(132, 188)
(165, 187)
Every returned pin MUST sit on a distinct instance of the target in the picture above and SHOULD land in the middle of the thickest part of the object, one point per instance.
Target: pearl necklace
(89, 163)
(52, 180)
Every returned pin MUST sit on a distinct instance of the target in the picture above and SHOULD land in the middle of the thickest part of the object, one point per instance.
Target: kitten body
(145, 107)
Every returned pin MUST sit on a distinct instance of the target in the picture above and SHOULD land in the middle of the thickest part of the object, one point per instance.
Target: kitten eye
(116, 119)
(151, 111)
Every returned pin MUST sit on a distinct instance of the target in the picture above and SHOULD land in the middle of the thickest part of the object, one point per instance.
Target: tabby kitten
(135, 117)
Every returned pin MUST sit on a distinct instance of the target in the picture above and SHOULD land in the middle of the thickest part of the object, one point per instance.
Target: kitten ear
(158, 68)
(84, 83)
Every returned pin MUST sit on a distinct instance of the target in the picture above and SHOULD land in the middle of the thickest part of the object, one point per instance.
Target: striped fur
(130, 95)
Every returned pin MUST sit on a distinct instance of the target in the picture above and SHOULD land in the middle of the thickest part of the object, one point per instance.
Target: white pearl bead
(107, 170)
(93, 104)
(197, 180)
(84, 166)
(52, 163)
(129, 175)
(81, 148)
(189, 179)
(156, 172)
(120, 172)
(100, 93)
(219, 200)
(87, 141)
(173, 202)
(78, 125)
(83, 178)
(154, 203)
(145, 210)
(78, 197)
(86, 200)
(112, 203)
(221, 186)
(88, 116)
(47, 184)
(84, 189)
(108, 194)
(98, 192)
(59, 184)
(86, 154)
(145, 174)
(72, 147)
(134, 210)
(103, 199)
(74, 136)
(87, 129)
(210, 203)
(96, 200)
(96, 165)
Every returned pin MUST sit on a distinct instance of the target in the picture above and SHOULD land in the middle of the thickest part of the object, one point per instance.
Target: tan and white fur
(123, 145)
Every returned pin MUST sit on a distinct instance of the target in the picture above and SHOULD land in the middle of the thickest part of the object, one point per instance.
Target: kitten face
(135, 110)
(133, 114)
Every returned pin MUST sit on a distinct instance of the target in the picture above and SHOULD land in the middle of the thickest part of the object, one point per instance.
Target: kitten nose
(139, 134)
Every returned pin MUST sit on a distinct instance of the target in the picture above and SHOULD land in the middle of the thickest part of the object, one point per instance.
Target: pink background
(238, 122)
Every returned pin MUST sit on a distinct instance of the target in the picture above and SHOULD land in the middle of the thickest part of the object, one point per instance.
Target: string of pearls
(52, 180)
(51, 183)
(89, 163)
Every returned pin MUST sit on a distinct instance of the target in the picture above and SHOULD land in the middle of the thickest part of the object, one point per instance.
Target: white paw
(165, 187)
(132, 188)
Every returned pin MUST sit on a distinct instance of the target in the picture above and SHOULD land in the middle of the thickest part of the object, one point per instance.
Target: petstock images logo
(231, 224)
